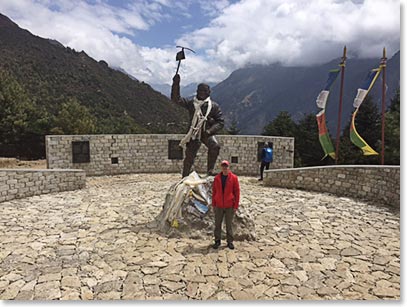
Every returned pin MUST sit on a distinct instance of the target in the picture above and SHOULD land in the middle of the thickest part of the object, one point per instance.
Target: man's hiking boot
(231, 246)
(216, 245)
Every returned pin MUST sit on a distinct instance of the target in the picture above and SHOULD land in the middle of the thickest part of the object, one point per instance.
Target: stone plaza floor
(96, 243)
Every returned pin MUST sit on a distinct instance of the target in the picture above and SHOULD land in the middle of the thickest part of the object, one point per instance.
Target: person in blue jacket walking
(266, 158)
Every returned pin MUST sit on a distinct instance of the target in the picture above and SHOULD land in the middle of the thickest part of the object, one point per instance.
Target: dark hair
(203, 86)
(270, 144)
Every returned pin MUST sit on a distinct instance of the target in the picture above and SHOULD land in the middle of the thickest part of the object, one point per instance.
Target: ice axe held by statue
(181, 56)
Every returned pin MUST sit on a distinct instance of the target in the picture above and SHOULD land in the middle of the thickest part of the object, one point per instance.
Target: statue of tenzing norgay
(206, 120)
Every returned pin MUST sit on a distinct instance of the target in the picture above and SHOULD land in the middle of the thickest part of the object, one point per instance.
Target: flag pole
(338, 130)
(383, 66)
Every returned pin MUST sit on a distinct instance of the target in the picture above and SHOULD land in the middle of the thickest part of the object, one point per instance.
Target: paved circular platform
(97, 243)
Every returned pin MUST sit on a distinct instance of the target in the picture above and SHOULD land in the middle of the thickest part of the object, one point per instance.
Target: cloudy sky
(140, 35)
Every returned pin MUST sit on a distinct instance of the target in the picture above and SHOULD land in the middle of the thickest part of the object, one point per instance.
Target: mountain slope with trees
(61, 85)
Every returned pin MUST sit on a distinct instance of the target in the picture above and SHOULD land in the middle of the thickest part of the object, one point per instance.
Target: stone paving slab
(97, 244)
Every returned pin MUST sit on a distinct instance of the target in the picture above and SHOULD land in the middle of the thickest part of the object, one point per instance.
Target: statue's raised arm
(176, 92)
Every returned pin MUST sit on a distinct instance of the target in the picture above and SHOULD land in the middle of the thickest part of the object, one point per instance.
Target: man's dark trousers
(262, 166)
(228, 213)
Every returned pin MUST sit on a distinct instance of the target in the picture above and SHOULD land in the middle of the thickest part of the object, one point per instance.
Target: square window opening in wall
(115, 160)
(235, 160)
(175, 152)
(80, 152)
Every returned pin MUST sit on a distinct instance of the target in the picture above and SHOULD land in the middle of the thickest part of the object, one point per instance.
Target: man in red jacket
(225, 201)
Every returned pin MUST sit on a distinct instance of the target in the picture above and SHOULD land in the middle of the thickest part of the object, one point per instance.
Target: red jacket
(228, 198)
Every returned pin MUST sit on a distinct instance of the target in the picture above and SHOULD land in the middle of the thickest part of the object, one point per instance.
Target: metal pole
(383, 65)
(338, 130)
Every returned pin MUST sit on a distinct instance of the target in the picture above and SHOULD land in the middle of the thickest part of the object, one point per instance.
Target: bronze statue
(206, 120)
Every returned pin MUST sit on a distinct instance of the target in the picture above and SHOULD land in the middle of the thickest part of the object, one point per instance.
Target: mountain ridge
(188, 90)
(253, 96)
(48, 71)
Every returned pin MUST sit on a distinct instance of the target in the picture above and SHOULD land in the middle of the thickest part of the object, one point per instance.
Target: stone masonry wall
(19, 183)
(148, 153)
(376, 183)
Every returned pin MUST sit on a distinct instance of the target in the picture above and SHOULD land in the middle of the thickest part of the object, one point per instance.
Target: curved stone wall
(373, 182)
(19, 183)
(158, 153)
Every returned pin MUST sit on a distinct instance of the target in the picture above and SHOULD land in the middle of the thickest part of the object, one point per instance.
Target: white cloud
(98, 29)
(292, 32)
(214, 8)
(298, 32)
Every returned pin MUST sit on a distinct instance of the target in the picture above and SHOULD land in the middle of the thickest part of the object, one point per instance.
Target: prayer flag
(360, 96)
(322, 98)
(324, 138)
(367, 85)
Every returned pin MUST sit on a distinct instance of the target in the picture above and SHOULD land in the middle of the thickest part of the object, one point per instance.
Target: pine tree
(14, 110)
(392, 132)
(23, 123)
(74, 118)
(127, 125)
(282, 125)
(233, 130)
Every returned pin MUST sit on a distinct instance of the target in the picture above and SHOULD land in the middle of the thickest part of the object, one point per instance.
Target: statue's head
(203, 91)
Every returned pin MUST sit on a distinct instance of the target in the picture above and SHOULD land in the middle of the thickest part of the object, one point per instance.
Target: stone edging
(369, 182)
(20, 183)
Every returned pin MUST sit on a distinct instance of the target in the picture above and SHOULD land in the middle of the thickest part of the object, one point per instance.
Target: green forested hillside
(60, 90)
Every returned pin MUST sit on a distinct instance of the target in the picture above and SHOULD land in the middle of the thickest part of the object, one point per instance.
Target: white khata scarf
(198, 121)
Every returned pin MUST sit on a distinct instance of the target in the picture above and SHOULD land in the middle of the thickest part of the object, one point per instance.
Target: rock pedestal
(188, 212)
